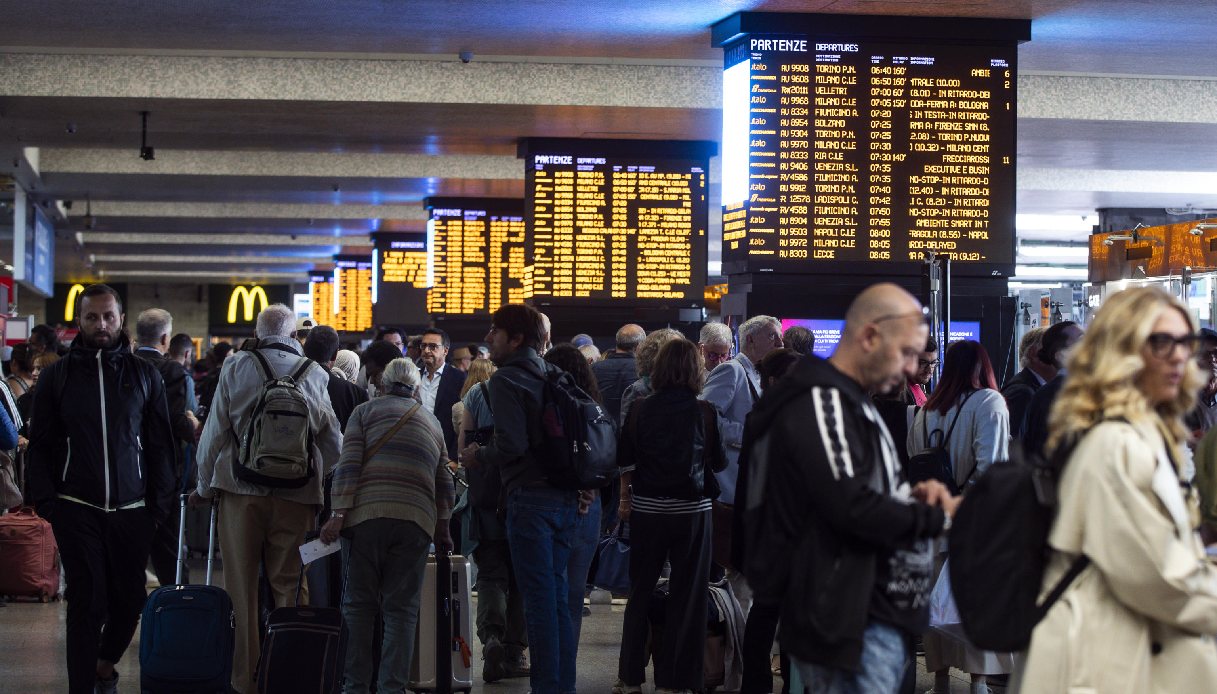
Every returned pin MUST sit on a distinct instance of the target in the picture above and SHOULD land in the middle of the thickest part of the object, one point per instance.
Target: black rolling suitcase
(304, 649)
(187, 635)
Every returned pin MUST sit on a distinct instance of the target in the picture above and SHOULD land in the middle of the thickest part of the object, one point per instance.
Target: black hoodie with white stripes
(831, 531)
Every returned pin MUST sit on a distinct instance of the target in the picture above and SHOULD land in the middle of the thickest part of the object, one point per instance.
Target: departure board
(842, 150)
(617, 221)
(342, 299)
(401, 274)
(478, 252)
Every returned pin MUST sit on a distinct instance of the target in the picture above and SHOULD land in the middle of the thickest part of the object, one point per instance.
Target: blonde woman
(1140, 616)
(480, 371)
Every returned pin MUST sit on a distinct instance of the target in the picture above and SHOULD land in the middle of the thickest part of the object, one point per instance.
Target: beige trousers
(253, 531)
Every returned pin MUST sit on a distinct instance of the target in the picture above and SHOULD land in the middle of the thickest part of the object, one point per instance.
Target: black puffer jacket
(670, 439)
(100, 431)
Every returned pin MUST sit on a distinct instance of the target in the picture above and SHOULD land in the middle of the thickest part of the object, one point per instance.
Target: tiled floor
(32, 642)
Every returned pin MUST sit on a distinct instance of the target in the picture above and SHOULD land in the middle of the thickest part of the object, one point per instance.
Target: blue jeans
(884, 659)
(587, 539)
(541, 523)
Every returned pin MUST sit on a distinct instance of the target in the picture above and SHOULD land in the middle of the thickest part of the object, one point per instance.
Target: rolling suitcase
(29, 557)
(442, 659)
(304, 649)
(187, 633)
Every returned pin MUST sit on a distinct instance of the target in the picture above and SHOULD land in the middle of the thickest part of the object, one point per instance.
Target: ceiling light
(1050, 272)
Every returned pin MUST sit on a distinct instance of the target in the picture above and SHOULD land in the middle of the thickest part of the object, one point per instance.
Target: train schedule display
(401, 275)
(864, 141)
(342, 299)
(617, 222)
(478, 254)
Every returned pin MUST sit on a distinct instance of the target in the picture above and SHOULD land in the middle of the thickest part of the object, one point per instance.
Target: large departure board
(865, 142)
(342, 299)
(478, 253)
(617, 221)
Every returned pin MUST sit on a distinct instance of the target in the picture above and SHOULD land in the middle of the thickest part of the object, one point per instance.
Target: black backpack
(998, 546)
(934, 462)
(578, 447)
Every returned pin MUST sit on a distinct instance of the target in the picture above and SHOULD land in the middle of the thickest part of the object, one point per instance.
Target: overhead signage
(617, 221)
(478, 247)
(237, 306)
(878, 147)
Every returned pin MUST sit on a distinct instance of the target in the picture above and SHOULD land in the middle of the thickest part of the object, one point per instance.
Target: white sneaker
(622, 688)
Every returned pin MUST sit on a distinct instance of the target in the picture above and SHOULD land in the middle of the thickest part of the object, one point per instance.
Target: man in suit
(1034, 374)
(441, 384)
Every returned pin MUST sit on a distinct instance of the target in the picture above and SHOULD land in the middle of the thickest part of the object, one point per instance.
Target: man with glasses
(1201, 419)
(836, 538)
(440, 385)
(927, 364)
(733, 388)
(716, 344)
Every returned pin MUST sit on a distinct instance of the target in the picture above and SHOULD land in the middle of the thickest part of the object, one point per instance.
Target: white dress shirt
(429, 387)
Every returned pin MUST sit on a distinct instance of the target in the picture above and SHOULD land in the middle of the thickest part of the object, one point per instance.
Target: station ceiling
(284, 130)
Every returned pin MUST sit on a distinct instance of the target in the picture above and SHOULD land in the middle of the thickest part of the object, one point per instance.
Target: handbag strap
(486, 396)
(389, 434)
(947, 437)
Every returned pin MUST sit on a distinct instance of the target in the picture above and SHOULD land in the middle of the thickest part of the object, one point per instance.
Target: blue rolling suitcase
(186, 632)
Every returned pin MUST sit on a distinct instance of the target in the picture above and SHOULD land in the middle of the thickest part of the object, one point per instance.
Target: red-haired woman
(969, 414)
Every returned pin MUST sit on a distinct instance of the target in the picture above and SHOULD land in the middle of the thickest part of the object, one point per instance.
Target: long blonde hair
(1102, 371)
(479, 370)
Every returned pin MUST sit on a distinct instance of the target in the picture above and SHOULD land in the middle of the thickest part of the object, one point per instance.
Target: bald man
(835, 535)
(617, 371)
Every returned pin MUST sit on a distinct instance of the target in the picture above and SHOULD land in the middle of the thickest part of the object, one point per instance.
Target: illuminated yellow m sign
(69, 308)
(249, 297)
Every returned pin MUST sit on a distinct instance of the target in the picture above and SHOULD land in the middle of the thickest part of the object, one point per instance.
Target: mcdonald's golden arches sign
(238, 306)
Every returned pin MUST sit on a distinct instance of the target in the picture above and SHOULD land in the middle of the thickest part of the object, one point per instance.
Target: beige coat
(1140, 618)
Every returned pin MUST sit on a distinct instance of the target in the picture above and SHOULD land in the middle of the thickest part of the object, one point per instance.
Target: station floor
(32, 644)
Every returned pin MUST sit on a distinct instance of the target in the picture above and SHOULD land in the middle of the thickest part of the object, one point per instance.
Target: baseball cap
(304, 323)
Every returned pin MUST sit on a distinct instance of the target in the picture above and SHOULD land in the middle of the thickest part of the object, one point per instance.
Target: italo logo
(249, 298)
(69, 307)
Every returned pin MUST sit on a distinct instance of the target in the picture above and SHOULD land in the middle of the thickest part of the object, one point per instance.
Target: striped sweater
(406, 479)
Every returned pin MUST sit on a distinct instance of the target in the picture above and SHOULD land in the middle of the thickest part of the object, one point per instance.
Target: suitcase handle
(181, 540)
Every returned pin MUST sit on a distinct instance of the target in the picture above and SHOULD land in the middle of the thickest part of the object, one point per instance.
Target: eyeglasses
(1162, 345)
(431, 346)
(922, 363)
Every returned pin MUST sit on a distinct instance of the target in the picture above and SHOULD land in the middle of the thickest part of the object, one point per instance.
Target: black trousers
(684, 541)
(164, 552)
(104, 555)
(759, 631)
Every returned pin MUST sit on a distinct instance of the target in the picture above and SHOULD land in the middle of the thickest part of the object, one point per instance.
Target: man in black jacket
(101, 471)
(321, 346)
(834, 533)
(153, 329)
(617, 371)
(1022, 386)
(540, 517)
(1054, 347)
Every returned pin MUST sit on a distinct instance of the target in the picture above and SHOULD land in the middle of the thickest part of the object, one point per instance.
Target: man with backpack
(268, 443)
(833, 532)
(540, 516)
(101, 472)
